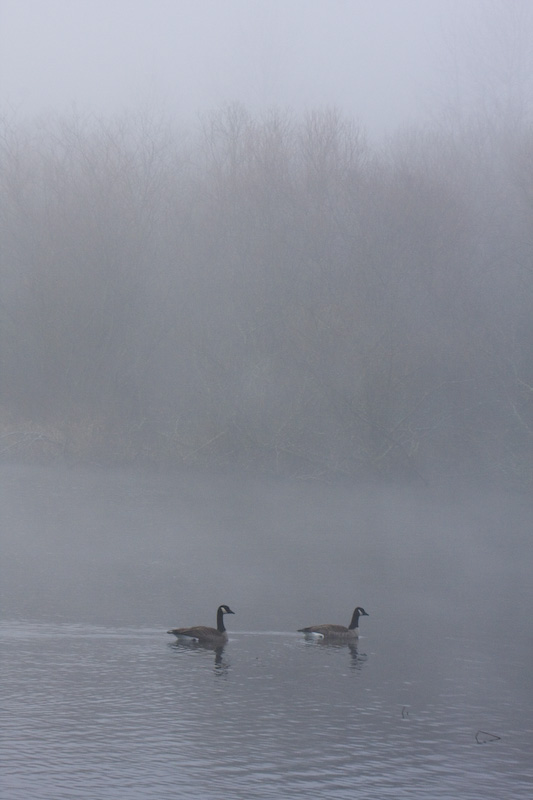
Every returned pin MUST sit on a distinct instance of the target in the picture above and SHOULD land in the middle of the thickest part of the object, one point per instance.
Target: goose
(203, 634)
(337, 632)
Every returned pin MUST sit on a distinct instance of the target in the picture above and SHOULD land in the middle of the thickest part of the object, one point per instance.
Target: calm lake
(434, 701)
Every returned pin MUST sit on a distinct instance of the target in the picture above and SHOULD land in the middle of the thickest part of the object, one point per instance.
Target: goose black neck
(220, 621)
(355, 620)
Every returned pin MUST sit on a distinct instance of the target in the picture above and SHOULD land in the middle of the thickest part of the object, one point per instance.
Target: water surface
(434, 701)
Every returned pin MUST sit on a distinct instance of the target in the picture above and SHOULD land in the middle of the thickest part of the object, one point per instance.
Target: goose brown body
(337, 632)
(204, 634)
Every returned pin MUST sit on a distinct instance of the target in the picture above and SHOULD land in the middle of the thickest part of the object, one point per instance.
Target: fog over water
(126, 548)
(266, 339)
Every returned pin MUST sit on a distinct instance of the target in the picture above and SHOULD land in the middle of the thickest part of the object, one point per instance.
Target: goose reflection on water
(192, 646)
(357, 659)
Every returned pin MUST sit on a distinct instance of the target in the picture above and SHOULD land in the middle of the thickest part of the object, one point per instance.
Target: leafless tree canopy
(269, 291)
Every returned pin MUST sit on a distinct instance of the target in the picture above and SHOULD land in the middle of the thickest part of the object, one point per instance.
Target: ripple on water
(103, 712)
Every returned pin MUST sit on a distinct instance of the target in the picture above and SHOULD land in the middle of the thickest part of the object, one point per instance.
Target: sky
(382, 62)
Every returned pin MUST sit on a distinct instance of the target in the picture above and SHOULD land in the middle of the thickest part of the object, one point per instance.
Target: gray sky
(383, 62)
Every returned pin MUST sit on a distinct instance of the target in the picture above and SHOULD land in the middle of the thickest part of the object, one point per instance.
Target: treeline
(269, 292)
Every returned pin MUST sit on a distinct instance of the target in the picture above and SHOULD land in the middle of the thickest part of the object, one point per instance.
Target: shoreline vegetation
(97, 445)
(269, 292)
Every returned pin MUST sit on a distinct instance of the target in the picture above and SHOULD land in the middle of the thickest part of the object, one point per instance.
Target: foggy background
(387, 64)
(291, 235)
